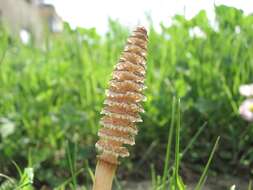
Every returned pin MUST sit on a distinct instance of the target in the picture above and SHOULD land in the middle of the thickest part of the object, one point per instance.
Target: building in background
(32, 16)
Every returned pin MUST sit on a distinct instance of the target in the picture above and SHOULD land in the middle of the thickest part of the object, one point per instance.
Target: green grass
(51, 99)
(173, 181)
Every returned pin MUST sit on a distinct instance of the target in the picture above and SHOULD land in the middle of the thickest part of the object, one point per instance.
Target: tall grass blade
(204, 174)
(168, 148)
(193, 140)
(177, 147)
(71, 157)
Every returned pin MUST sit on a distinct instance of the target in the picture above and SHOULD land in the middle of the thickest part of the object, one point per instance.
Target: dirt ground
(214, 183)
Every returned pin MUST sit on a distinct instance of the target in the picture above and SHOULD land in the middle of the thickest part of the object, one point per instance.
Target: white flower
(246, 90)
(246, 110)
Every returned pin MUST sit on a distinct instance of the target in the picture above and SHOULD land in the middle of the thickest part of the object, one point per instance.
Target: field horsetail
(122, 108)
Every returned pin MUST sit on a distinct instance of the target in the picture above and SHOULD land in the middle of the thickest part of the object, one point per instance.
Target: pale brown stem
(104, 174)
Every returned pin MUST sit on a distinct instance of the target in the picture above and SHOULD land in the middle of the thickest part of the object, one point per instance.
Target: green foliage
(24, 183)
(174, 181)
(51, 97)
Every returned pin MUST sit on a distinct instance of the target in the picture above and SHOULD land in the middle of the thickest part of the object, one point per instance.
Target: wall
(30, 15)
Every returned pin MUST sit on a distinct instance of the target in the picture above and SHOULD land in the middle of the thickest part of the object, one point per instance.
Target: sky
(95, 13)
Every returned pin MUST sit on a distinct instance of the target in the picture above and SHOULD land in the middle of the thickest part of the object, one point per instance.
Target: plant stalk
(104, 175)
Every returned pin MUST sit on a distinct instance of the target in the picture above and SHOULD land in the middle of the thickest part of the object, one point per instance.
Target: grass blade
(177, 148)
(168, 149)
(204, 174)
(175, 181)
(194, 138)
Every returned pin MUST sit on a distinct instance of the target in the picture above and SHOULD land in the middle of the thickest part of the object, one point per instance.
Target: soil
(214, 183)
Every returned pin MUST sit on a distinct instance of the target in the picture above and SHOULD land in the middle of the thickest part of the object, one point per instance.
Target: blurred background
(56, 58)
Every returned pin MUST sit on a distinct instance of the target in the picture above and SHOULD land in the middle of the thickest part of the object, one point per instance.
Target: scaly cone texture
(122, 104)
